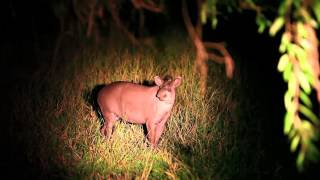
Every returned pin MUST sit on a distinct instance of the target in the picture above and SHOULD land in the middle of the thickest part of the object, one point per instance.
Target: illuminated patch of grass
(64, 136)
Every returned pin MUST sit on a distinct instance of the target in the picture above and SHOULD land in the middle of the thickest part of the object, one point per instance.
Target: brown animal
(138, 104)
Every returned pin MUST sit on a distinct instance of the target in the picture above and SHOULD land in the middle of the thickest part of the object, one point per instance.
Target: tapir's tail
(94, 103)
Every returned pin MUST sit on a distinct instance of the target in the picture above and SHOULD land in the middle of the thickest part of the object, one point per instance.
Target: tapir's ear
(158, 81)
(177, 81)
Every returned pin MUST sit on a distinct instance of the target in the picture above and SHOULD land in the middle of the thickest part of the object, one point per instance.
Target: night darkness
(29, 34)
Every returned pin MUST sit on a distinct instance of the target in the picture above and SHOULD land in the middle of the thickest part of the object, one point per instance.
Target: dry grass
(61, 131)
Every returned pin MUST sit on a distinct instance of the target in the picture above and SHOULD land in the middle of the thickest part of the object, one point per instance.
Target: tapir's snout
(165, 95)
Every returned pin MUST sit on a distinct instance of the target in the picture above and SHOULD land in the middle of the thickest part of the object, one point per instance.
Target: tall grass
(60, 131)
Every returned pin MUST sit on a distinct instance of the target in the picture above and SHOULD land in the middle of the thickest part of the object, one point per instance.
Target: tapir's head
(167, 88)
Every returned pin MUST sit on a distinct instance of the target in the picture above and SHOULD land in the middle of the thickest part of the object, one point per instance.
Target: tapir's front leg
(160, 127)
(151, 127)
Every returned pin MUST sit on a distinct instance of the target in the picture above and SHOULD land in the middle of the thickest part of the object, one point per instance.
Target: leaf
(304, 14)
(287, 72)
(283, 62)
(314, 23)
(286, 37)
(276, 26)
(305, 99)
(262, 22)
(259, 19)
(292, 133)
(288, 122)
(285, 41)
(307, 127)
(288, 102)
(282, 48)
(301, 30)
(283, 8)
(203, 13)
(304, 83)
(297, 49)
(304, 63)
(262, 27)
(316, 9)
(310, 77)
(305, 44)
(300, 159)
(301, 54)
(214, 22)
(294, 143)
(290, 49)
(297, 3)
(309, 114)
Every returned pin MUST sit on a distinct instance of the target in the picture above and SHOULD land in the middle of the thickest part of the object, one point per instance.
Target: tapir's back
(110, 91)
(124, 91)
(126, 100)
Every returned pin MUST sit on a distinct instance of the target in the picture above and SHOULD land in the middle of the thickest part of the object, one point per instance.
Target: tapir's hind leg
(110, 119)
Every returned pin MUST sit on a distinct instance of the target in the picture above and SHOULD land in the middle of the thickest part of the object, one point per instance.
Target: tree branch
(225, 58)
(112, 6)
(148, 5)
(202, 55)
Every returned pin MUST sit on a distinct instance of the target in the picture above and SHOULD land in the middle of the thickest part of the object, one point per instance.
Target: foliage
(299, 64)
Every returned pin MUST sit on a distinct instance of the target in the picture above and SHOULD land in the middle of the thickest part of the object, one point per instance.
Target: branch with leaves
(299, 64)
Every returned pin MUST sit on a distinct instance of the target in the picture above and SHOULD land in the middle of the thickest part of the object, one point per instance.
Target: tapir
(135, 103)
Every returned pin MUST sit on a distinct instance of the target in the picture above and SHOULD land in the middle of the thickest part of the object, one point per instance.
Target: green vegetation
(299, 63)
(60, 130)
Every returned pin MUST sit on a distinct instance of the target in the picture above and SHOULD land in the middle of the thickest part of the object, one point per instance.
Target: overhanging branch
(202, 54)
(148, 5)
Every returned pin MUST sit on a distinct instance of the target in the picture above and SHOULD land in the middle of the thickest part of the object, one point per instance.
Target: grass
(59, 130)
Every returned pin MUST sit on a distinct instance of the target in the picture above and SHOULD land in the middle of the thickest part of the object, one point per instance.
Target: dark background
(29, 31)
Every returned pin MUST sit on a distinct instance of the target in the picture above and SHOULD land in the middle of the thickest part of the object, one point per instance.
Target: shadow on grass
(90, 97)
